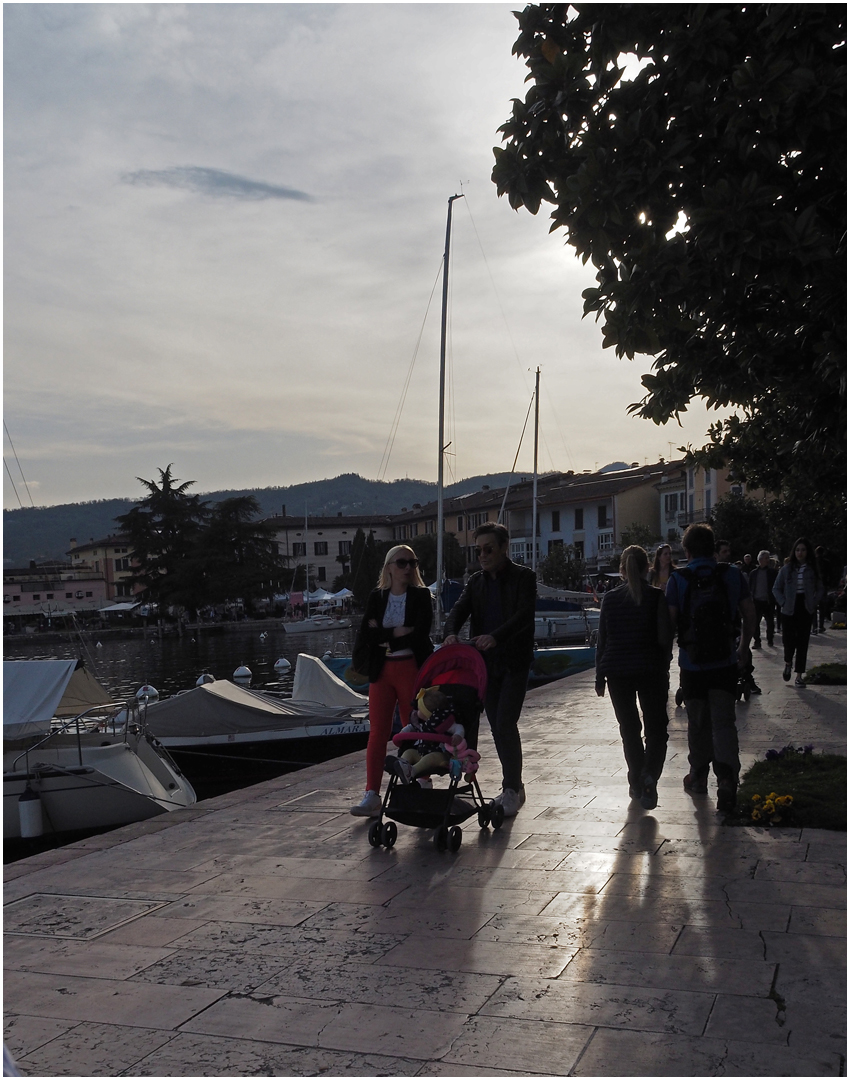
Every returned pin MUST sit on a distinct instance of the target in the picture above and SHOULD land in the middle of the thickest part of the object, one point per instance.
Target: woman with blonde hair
(633, 655)
(392, 644)
(662, 567)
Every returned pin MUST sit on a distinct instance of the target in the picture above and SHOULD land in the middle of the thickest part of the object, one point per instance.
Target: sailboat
(313, 623)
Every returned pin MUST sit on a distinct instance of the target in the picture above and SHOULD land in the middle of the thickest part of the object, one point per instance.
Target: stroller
(461, 674)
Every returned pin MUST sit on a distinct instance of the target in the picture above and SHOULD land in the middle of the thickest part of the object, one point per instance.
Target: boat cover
(34, 691)
(316, 683)
(222, 708)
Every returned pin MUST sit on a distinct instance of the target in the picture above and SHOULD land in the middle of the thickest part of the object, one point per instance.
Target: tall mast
(442, 448)
(534, 484)
(306, 564)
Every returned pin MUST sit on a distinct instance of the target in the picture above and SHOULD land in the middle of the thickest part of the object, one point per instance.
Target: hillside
(44, 532)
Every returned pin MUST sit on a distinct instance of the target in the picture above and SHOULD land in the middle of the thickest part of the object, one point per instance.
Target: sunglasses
(487, 549)
(403, 564)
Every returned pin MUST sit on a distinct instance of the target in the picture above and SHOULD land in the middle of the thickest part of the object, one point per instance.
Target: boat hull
(316, 625)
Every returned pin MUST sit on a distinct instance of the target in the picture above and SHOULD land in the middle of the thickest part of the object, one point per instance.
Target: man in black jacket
(762, 580)
(499, 601)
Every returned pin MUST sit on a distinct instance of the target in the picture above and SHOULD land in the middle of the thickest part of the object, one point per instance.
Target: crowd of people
(714, 607)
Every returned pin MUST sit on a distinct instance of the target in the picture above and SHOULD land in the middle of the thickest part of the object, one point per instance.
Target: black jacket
(634, 639)
(772, 573)
(373, 642)
(517, 595)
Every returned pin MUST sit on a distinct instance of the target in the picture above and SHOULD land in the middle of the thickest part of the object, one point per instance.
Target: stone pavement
(258, 934)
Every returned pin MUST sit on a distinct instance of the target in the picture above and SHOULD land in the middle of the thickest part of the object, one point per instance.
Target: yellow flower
(769, 808)
(756, 798)
(756, 815)
(772, 795)
(789, 799)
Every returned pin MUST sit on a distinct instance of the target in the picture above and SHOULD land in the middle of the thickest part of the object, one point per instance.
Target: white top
(801, 587)
(394, 616)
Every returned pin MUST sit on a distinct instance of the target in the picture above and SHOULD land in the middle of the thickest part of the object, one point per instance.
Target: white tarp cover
(36, 690)
(118, 608)
(316, 683)
(222, 708)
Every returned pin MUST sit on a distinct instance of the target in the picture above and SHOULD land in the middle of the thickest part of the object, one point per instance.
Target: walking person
(798, 590)
(662, 567)
(392, 644)
(704, 598)
(633, 653)
(499, 602)
(762, 580)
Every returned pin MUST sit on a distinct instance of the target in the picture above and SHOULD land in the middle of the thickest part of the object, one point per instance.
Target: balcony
(606, 542)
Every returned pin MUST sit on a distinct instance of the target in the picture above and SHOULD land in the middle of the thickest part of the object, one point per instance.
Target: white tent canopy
(115, 608)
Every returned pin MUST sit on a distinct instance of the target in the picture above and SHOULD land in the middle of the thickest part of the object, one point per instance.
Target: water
(172, 664)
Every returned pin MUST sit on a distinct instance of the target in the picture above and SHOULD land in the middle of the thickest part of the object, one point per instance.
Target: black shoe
(634, 792)
(770, 643)
(756, 644)
(726, 797)
(786, 674)
(799, 683)
(695, 786)
(649, 795)
(754, 689)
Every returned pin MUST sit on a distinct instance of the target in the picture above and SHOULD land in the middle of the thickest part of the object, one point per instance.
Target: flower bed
(795, 787)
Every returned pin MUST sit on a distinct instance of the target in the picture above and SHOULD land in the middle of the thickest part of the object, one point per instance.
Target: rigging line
(516, 458)
(5, 465)
(560, 430)
(20, 470)
(388, 448)
(496, 292)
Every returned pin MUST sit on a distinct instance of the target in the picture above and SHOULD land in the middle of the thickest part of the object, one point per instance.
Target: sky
(224, 224)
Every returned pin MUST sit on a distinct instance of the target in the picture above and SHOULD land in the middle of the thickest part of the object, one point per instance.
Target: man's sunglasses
(487, 549)
(403, 564)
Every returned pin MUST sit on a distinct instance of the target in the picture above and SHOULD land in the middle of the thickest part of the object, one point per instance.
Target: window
(69, 596)
(579, 519)
(97, 567)
(88, 594)
(430, 526)
(320, 547)
(122, 564)
(579, 549)
(460, 524)
(299, 548)
(15, 599)
(601, 516)
(320, 573)
(36, 596)
(344, 547)
(49, 595)
(123, 589)
(556, 521)
(554, 544)
(707, 500)
(414, 529)
(606, 542)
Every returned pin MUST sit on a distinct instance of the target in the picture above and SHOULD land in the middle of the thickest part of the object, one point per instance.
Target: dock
(258, 933)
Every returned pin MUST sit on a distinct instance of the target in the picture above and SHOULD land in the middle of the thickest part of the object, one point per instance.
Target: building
(52, 589)
(325, 541)
(112, 558)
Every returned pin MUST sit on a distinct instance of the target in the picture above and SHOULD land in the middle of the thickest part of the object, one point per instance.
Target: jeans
(651, 691)
(796, 629)
(503, 704)
(712, 735)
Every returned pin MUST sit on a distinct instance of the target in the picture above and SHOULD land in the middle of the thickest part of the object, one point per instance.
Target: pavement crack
(778, 999)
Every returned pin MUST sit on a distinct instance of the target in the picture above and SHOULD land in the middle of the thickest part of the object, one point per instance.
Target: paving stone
(652, 1054)
(288, 887)
(496, 958)
(520, 901)
(153, 931)
(700, 973)
(92, 1049)
(513, 1044)
(399, 921)
(789, 892)
(24, 1034)
(821, 873)
(99, 958)
(198, 908)
(719, 941)
(644, 1009)
(814, 951)
(831, 922)
(289, 942)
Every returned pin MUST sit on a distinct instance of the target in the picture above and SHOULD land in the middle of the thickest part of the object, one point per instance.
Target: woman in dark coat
(633, 655)
(798, 590)
(392, 644)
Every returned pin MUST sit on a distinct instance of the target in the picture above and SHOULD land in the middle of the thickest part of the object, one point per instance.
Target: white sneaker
(511, 800)
(369, 805)
(425, 782)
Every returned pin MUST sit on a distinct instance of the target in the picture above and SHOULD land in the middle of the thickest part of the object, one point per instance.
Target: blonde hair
(384, 580)
(634, 563)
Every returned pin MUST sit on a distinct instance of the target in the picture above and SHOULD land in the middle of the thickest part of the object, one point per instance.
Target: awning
(116, 608)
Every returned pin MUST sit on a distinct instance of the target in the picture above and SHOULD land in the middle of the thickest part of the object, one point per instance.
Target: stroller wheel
(498, 816)
(441, 838)
(455, 837)
(389, 834)
(375, 834)
(483, 817)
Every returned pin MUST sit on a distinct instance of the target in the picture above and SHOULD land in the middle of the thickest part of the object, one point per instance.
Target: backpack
(706, 623)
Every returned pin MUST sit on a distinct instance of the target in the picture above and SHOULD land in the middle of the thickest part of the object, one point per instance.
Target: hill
(44, 532)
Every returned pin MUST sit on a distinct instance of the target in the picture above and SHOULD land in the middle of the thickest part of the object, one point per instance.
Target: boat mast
(438, 625)
(534, 484)
(306, 564)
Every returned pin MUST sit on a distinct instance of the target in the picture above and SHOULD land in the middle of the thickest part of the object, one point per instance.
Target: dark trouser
(764, 610)
(651, 691)
(503, 704)
(712, 735)
(796, 629)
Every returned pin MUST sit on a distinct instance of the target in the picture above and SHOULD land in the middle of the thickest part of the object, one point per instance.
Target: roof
(335, 522)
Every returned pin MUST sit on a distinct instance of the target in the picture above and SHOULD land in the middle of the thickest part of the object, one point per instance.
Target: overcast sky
(223, 224)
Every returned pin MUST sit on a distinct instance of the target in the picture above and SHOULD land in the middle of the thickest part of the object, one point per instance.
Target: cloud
(213, 182)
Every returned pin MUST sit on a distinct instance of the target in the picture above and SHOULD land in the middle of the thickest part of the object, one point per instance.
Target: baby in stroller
(443, 740)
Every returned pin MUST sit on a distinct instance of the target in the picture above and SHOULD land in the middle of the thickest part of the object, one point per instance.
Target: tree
(454, 557)
(562, 568)
(162, 531)
(743, 522)
(707, 188)
(367, 558)
(636, 533)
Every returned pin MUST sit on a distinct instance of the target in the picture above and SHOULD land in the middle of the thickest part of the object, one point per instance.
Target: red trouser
(395, 684)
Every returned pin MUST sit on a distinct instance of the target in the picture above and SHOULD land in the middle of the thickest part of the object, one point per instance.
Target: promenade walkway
(258, 934)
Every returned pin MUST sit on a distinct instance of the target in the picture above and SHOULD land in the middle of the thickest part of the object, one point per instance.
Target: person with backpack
(704, 598)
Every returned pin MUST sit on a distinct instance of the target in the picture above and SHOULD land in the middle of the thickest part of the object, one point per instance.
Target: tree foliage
(744, 523)
(562, 568)
(637, 533)
(454, 558)
(705, 181)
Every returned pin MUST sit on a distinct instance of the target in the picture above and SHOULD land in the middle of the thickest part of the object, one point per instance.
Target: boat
(69, 769)
(315, 623)
(218, 729)
(567, 626)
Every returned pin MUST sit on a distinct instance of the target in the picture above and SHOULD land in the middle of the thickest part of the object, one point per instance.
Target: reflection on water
(171, 664)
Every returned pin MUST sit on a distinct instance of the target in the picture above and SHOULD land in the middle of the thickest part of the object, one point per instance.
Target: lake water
(171, 664)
